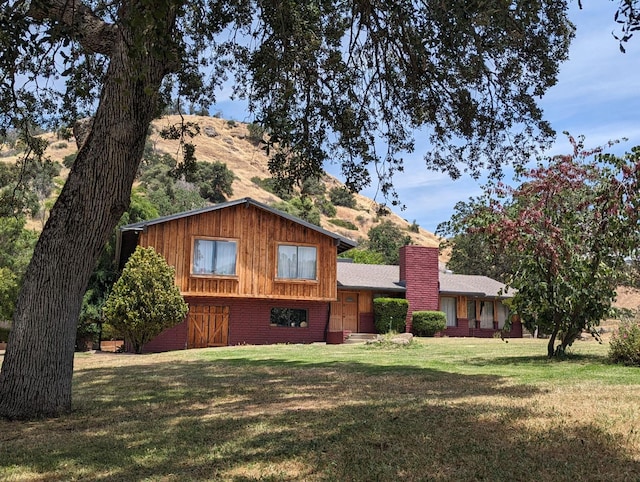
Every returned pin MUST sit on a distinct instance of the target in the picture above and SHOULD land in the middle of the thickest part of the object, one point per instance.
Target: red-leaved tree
(569, 227)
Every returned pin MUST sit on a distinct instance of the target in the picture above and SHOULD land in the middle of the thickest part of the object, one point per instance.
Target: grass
(441, 409)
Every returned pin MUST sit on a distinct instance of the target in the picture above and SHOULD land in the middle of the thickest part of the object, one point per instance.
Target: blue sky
(597, 95)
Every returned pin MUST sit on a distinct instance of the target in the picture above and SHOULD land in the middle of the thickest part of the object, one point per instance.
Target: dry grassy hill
(228, 142)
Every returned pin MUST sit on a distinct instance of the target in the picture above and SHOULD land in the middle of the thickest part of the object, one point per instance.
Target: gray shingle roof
(481, 286)
(386, 277)
(369, 276)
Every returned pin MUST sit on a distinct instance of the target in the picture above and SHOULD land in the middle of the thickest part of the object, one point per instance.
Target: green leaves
(145, 300)
(566, 231)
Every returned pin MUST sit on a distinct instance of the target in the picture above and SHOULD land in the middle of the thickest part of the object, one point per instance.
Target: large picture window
(297, 262)
(293, 317)
(214, 257)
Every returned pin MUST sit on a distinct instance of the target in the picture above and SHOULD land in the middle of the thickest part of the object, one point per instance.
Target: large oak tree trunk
(37, 371)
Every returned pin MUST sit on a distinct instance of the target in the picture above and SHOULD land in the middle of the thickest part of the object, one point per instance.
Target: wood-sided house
(250, 274)
(473, 304)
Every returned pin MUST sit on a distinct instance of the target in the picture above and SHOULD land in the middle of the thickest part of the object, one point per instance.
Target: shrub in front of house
(390, 314)
(145, 300)
(4, 335)
(428, 323)
(624, 346)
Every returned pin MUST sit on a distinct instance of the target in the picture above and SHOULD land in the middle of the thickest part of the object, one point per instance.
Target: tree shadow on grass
(245, 420)
(541, 360)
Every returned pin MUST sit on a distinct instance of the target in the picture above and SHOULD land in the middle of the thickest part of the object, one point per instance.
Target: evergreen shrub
(390, 314)
(428, 323)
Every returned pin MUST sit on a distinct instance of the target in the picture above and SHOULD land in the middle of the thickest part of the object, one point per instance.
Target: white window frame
(291, 269)
(199, 267)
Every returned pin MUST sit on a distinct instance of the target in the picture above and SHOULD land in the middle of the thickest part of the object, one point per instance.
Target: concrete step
(361, 337)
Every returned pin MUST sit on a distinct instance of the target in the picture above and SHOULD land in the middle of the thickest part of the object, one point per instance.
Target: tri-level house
(252, 274)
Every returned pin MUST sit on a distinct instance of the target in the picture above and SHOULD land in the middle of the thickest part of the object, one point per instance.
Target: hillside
(228, 142)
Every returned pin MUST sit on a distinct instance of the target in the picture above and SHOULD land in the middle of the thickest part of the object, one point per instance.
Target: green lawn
(441, 409)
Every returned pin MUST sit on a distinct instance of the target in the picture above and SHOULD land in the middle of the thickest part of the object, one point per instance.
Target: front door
(208, 326)
(349, 311)
(344, 312)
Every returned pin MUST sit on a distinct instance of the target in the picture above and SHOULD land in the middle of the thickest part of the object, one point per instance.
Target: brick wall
(419, 272)
(367, 323)
(174, 338)
(249, 322)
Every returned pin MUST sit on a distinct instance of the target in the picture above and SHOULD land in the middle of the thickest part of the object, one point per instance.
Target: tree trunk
(551, 345)
(37, 371)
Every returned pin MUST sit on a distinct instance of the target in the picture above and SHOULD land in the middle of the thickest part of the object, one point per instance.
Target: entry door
(349, 303)
(208, 326)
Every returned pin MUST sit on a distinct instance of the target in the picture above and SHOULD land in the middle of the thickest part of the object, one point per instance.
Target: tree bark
(551, 350)
(37, 371)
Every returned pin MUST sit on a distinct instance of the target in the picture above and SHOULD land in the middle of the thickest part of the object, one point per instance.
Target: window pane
(448, 306)
(287, 261)
(486, 314)
(203, 255)
(306, 262)
(471, 310)
(225, 257)
(503, 314)
(291, 317)
(214, 257)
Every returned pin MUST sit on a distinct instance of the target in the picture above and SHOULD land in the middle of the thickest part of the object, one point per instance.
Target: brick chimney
(420, 275)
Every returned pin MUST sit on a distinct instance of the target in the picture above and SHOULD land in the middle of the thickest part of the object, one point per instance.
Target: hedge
(428, 323)
(390, 314)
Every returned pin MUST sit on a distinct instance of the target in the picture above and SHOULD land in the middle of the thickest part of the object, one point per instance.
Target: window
(486, 314)
(503, 315)
(293, 317)
(214, 257)
(448, 306)
(471, 313)
(296, 262)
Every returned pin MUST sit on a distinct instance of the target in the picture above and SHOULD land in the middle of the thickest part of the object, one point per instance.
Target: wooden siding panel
(258, 234)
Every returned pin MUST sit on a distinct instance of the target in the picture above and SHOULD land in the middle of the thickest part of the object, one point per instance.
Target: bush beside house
(390, 314)
(145, 300)
(428, 323)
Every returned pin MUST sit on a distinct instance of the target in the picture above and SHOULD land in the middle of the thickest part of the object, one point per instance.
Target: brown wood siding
(365, 302)
(461, 307)
(258, 234)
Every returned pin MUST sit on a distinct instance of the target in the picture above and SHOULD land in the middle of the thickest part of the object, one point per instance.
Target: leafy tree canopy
(341, 196)
(145, 300)
(567, 228)
(386, 238)
(473, 251)
(301, 207)
(168, 195)
(323, 78)
(326, 80)
(214, 180)
(16, 246)
(363, 256)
